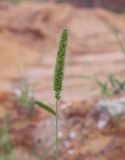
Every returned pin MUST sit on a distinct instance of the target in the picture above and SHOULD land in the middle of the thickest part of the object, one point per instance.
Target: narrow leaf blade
(45, 106)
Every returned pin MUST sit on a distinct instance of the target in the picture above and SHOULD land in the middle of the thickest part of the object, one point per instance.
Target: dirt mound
(37, 26)
(28, 33)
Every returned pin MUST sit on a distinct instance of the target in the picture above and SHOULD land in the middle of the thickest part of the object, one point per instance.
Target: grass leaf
(45, 106)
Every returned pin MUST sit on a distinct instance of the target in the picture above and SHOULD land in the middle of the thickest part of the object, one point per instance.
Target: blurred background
(94, 72)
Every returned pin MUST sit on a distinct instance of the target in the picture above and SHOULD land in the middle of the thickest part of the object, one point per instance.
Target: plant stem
(57, 130)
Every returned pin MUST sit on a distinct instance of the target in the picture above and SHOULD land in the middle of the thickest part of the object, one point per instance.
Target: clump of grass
(117, 85)
(6, 147)
(25, 97)
(113, 85)
(58, 79)
(103, 86)
(110, 88)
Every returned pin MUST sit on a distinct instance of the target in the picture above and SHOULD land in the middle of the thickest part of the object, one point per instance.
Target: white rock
(72, 134)
(109, 108)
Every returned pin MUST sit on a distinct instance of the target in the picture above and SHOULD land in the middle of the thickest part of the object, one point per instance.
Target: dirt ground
(28, 41)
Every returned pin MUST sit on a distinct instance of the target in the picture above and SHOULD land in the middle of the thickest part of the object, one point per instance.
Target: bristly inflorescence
(60, 62)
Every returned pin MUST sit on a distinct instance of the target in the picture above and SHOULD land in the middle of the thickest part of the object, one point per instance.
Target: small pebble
(72, 134)
(60, 135)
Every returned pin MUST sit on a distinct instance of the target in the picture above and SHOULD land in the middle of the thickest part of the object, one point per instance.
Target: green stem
(57, 130)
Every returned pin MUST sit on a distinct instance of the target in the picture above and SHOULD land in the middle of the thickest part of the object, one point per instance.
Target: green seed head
(60, 62)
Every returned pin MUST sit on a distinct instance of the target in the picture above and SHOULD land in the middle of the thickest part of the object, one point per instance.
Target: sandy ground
(28, 41)
(34, 34)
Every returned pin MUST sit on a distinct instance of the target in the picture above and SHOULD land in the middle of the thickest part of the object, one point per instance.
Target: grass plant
(113, 85)
(26, 99)
(58, 83)
(6, 147)
(58, 79)
(24, 96)
(103, 86)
